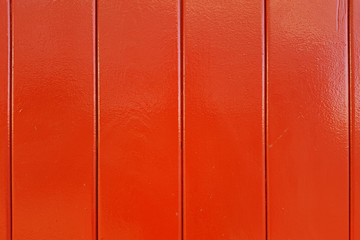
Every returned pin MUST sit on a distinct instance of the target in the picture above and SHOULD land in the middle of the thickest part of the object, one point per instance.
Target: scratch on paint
(279, 137)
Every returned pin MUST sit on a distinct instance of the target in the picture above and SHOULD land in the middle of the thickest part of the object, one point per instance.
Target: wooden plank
(5, 205)
(355, 118)
(224, 120)
(53, 120)
(308, 128)
(139, 161)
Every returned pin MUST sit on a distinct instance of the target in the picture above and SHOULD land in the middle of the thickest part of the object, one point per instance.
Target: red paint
(114, 97)
(355, 118)
(308, 181)
(224, 120)
(5, 207)
(53, 120)
(139, 134)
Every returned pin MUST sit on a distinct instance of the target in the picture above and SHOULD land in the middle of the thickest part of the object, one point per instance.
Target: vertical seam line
(349, 109)
(181, 106)
(96, 116)
(10, 108)
(265, 102)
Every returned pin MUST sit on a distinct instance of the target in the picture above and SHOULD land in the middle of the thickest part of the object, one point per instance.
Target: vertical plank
(224, 120)
(5, 205)
(53, 139)
(307, 120)
(139, 173)
(355, 118)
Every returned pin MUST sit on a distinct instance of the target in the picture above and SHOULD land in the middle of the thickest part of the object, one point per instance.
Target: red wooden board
(308, 128)
(5, 207)
(139, 133)
(224, 174)
(53, 120)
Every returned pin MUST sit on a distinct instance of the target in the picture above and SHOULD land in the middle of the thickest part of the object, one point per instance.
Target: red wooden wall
(180, 119)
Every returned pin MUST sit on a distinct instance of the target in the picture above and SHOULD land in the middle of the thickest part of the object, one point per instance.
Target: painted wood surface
(179, 119)
(53, 141)
(224, 161)
(139, 131)
(308, 127)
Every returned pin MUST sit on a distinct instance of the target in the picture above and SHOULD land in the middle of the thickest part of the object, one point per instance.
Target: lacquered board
(180, 119)
(355, 118)
(308, 127)
(224, 163)
(5, 79)
(53, 120)
(139, 120)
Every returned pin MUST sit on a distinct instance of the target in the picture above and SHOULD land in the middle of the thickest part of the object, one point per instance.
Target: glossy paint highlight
(308, 122)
